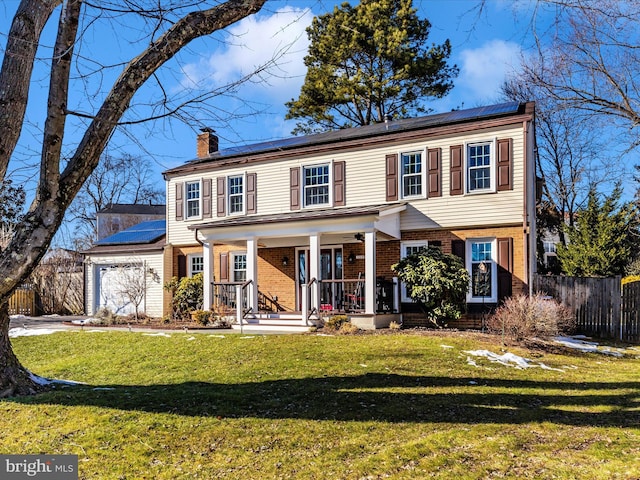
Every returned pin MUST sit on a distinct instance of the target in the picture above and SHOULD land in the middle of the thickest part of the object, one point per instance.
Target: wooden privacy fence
(23, 301)
(602, 306)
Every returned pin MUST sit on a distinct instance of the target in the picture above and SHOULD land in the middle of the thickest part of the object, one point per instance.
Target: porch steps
(286, 322)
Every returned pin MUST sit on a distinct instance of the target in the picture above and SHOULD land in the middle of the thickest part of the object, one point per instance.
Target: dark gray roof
(145, 232)
(134, 208)
(298, 216)
(395, 126)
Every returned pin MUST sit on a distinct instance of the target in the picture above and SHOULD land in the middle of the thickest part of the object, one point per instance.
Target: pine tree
(369, 62)
(601, 241)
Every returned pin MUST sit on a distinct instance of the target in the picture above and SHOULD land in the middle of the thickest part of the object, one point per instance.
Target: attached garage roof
(145, 232)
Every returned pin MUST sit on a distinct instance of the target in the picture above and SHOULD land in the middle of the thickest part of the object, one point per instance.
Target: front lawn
(324, 407)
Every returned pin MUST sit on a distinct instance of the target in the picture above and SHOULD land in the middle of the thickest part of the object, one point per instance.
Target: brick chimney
(207, 143)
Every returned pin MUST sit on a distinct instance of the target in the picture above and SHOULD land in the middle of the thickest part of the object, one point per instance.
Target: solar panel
(453, 116)
(144, 232)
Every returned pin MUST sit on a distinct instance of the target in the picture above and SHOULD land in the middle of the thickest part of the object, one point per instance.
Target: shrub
(202, 317)
(187, 295)
(438, 281)
(334, 322)
(348, 328)
(523, 317)
(394, 326)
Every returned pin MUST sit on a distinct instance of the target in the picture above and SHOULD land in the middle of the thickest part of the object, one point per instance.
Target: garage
(120, 287)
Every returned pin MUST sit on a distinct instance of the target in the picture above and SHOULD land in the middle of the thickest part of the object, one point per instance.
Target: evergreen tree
(437, 281)
(369, 62)
(601, 241)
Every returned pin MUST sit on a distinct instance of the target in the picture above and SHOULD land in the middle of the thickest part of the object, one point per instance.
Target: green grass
(319, 407)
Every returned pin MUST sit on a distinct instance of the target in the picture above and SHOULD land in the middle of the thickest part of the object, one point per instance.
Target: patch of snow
(508, 359)
(582, 343)
(53, 315)
(103, 388)
(191, 338)
(247, 337)
(472, 382)
(363, 365)
(47, 381)
(159, 334)
(446, 346)
(86, 321)
(16, 317)
(30, 332)
(472, 362)
(216, 336)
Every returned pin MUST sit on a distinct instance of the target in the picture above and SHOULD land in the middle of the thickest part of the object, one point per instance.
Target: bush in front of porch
(437, 281)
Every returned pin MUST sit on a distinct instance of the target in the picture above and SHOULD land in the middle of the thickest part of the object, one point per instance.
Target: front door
(330, 276)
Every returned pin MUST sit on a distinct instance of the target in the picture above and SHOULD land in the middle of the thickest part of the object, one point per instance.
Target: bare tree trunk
(14, 378)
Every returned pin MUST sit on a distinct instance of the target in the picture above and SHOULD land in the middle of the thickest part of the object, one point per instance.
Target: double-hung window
(481, 262)
(239, 267)
(196, 264)
(480, 167)
(235, 187)
(412, 170)
(316, 185)
(193, 197)
(406, 249)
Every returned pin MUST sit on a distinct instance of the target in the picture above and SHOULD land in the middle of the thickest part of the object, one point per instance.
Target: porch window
(412, 174)
(193, 199)
(316, 185)
(482, 265)
(240, 267)
(196, 264)
(236, 194)
(406, 249)
(480, 167)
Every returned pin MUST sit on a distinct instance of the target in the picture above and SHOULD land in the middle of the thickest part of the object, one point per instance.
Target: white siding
(152, 304)
(365, 185)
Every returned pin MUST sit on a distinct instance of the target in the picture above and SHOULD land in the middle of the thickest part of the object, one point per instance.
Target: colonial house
(289, 230)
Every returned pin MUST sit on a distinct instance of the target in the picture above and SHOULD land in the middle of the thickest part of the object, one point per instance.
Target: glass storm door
(330, 272)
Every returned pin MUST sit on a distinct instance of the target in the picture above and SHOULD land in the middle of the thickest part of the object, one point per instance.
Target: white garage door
(117, 286)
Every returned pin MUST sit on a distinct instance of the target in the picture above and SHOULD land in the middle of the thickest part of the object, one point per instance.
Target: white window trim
(404, 298)
(189, 263)
(494, 269)
(423, 173)
(186, 200)
(303, 187)
(232, 272)
(244, 194)
(492, 167)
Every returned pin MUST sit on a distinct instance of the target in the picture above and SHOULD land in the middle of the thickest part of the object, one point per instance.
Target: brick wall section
(278, 280)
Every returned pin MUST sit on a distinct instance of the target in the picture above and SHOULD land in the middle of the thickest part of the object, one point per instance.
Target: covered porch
(297, 267)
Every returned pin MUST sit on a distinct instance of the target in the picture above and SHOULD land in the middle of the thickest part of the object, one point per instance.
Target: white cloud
(484, 69)
(256, 41)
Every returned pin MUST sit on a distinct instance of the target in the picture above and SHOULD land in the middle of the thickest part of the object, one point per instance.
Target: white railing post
(305, 304)
(239, 305)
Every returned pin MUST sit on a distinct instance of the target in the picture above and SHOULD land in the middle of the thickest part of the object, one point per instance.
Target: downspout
(529, 220)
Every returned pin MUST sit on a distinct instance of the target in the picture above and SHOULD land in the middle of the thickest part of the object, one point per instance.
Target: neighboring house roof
(377, 130)
(142, 233)
(130, 208)
(296, 216)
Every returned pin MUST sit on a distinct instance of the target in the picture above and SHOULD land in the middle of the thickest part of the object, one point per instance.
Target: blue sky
(486, 48)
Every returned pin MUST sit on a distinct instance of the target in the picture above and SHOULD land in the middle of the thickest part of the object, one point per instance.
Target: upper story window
(482, 265)
(412, 171)
(316, 185)
(549, 247)
(236, 194)
(480, 167)
(193, 198)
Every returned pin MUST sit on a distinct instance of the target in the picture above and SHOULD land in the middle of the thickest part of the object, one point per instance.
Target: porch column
(314, 268)
(252, 273)
(370, 272)
(207, 275)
